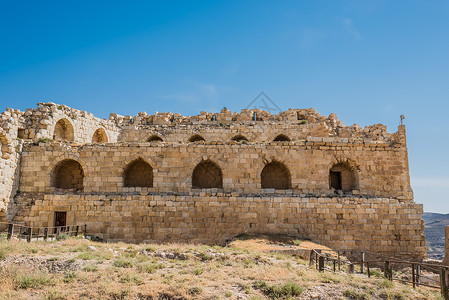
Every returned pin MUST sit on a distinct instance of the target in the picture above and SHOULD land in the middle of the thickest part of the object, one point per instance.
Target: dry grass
(68, 269)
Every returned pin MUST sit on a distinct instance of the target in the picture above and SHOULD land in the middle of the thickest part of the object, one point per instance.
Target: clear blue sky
(367, 61)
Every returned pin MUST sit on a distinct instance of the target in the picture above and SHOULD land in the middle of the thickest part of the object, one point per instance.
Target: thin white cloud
(349, 27)
(430, 182)
(231, 69)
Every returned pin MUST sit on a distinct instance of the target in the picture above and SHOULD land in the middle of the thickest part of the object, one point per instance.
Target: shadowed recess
(239, 138)
(281, 138)
(68, 174)
(99, 136)
(342, 177)
(63, 131)
(196, 138)
(138, 174)
(154, 138)
(275, 175)
(207, 175)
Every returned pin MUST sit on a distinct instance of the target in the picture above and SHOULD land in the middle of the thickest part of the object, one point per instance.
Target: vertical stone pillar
(401, 138)
(446, 245)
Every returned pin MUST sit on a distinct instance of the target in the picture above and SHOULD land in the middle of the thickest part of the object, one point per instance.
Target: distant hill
(434, 231)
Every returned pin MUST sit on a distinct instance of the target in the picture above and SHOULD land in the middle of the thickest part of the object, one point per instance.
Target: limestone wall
(379, 170)
(378, 224)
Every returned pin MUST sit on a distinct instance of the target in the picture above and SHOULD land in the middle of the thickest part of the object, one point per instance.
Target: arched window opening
(207, 175)
(341, 177)
(196, 138)
(99, 136)
(154, 138)
(240, 138)
(275, 175)
(63, 131)
(68, 174)
(281, 138)
(138, 174)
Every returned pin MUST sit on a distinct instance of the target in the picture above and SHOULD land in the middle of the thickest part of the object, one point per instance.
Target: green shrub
(91, 268)
(123, 263)
(69, 277)
(355, 295)
(198, 271)
(2, 255)
(62, 236)
(147, 267)
(297, 242)
(375, 273)
(286, 290)
(26, 281)
(44, 140)
(195, 291)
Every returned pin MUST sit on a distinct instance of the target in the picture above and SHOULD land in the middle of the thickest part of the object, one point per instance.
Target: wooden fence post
(334, 262)
(363, 262)
(321, 263)
(10, 231)
(418, 274)
(85, 229)
(367, 270)
(413, 276)
(45, 233)
(387, 270)
(443, 284)
(29, 234)
(77, 230)
(338, 257)
(351, 268)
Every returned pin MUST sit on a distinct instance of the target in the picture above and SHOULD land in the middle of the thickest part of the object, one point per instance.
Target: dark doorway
(335, 178)
(60, 219)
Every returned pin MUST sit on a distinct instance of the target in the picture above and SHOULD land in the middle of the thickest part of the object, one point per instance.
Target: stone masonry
(210, 177)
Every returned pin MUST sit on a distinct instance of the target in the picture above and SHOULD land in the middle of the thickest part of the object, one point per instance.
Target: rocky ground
(247, 268)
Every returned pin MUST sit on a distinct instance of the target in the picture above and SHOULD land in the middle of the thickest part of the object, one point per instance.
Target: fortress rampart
(206, 178)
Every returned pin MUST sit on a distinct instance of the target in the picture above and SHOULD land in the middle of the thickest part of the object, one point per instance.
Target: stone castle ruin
(207, 178)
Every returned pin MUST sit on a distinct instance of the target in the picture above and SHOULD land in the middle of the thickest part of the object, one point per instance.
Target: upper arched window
(138, 173)
(275, 175)
(207, 175)
(196, 138)
(281, 138)
(63, 131)
(68, 174)
(239, 138)
(154, 138)
(342, 177)
(99, 136)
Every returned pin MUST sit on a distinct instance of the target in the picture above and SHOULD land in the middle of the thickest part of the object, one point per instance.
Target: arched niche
(196, 138)
(99, 136)
(68, 174)
(154, 139)
(207, 175)
(281, 138)
(342, 177)
(138, 173)
(239, 138)
(63, 131)
(275, 175)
